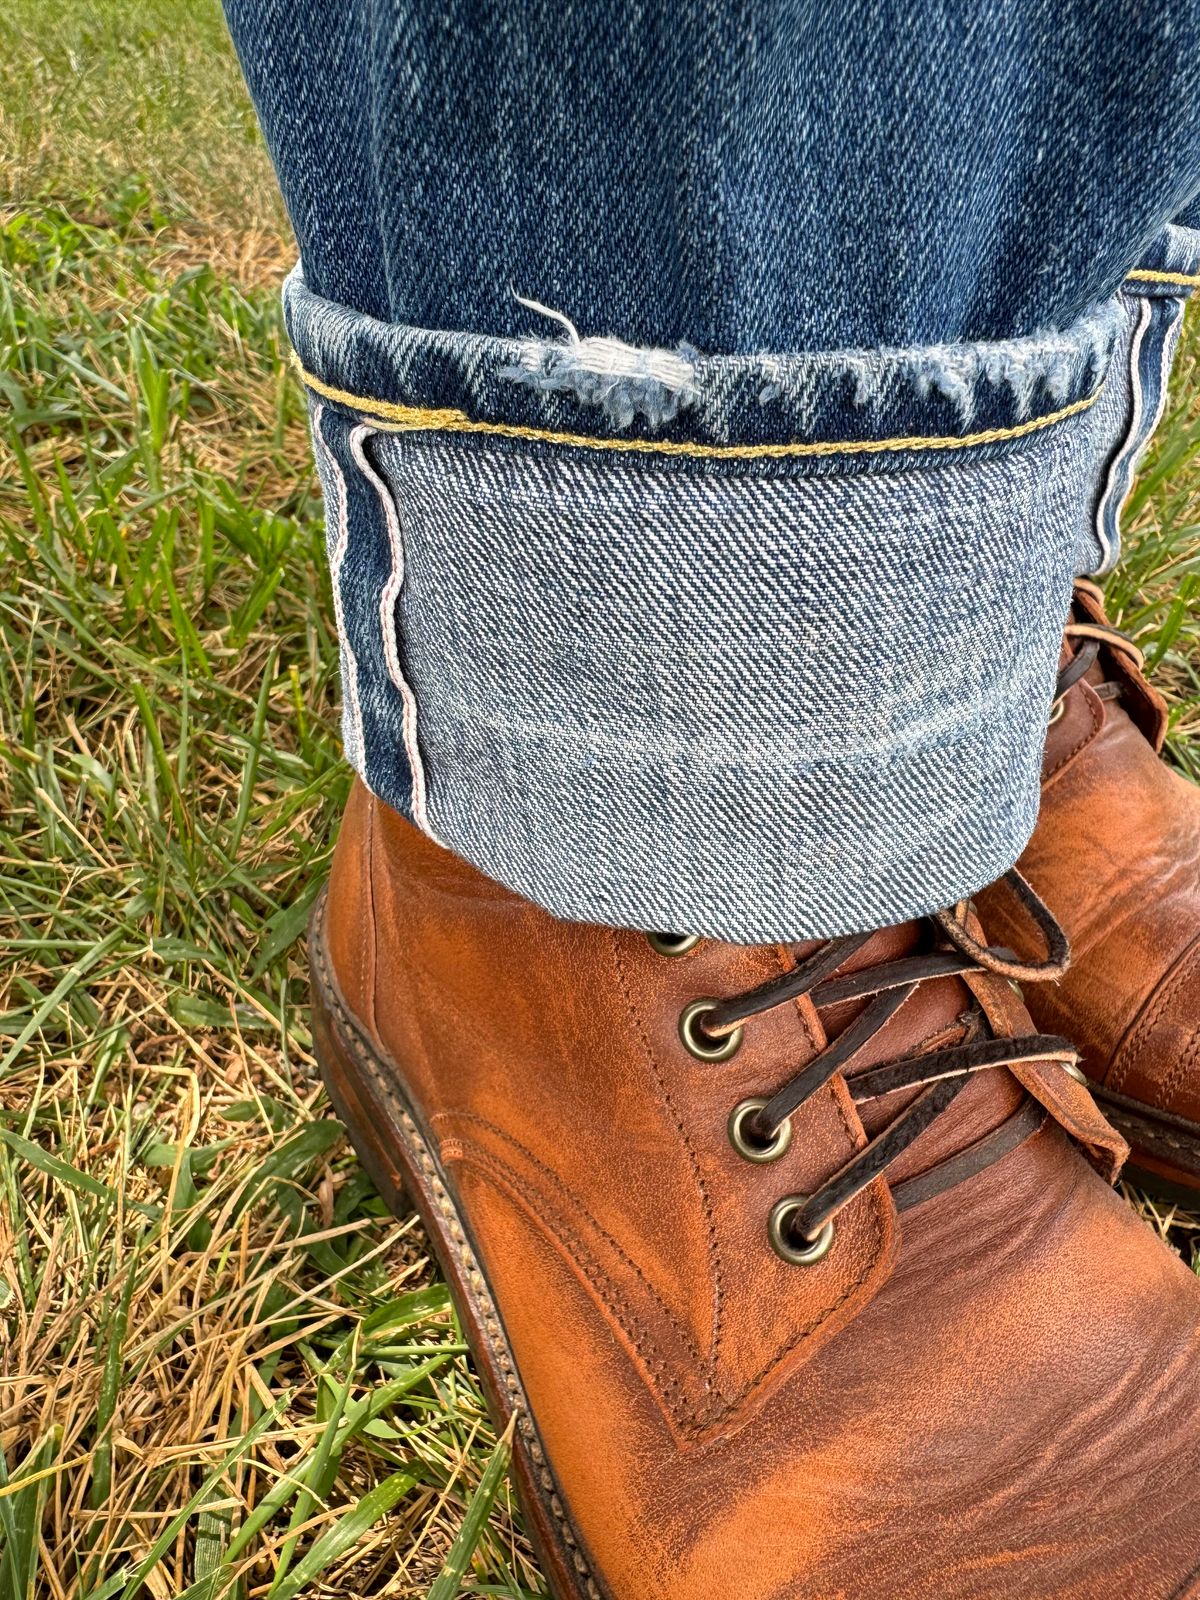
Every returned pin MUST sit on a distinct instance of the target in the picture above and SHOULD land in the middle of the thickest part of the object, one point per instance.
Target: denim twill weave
(774, 175)
(713, 404)
(754, 705)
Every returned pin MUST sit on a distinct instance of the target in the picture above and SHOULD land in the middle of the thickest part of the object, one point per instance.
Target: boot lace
(801, 1226)
(1089, 638)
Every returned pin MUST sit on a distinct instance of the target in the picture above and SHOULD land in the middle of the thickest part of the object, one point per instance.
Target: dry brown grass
(199, 1290)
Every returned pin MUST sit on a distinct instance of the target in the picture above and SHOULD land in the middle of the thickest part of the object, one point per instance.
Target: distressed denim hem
(793, 698)
(564, 389)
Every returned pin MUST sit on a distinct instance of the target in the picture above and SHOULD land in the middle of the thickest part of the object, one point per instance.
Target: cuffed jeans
(713, 405)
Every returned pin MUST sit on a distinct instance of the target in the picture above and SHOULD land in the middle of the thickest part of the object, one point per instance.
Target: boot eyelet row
(741, 1135)
(706, 1046)
(807, 1253)
(672, 944)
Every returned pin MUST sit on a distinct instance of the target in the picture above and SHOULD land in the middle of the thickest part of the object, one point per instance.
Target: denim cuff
(755, 647)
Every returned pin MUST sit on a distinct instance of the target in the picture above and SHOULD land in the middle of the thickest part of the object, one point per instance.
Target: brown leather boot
(1116, 856)
(786, 1259)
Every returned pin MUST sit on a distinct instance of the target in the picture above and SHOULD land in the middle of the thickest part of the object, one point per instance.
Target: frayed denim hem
(596, 390)
(646, 678)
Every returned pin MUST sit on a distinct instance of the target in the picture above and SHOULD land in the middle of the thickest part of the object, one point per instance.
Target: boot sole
(1164, 1149)
(366, 1089)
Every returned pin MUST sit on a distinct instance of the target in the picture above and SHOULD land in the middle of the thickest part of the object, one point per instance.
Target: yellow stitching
(392, 418)
(404, 416)
(1189, 280)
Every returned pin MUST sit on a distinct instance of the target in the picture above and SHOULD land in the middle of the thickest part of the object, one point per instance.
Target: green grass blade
(171, 1532)
(347, 1531)
(446, 1586)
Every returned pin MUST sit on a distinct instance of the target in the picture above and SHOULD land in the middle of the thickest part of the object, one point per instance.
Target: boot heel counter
(350, 936)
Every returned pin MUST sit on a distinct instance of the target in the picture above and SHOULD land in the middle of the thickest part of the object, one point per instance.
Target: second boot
(1116, 856)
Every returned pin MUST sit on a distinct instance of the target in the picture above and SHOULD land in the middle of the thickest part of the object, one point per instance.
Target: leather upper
(991, 1393)
(1116, 856)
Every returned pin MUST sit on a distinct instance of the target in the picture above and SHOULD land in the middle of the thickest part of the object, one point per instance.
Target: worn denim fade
(749, 696)
(775, 175)
(713, 405)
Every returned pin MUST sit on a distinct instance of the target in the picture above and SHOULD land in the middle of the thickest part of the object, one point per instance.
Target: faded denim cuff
(751, 647)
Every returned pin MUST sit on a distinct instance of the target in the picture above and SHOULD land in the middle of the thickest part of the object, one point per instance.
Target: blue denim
(713, 406)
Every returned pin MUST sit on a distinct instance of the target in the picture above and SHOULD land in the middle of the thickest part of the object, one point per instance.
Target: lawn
(224, 1369)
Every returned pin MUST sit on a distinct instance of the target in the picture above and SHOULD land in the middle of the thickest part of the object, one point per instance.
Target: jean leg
(714, 405)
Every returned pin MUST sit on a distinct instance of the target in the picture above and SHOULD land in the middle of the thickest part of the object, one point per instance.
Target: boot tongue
(942, 1013)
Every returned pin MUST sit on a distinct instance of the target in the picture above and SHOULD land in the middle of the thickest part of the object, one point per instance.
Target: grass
(224, 1369)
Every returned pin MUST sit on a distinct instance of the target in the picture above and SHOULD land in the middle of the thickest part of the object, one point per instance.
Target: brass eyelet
(739, 1134)
(672, 944)
(1073, 1070)
(797, 1255)
(697, 1042)
(1057, 710)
